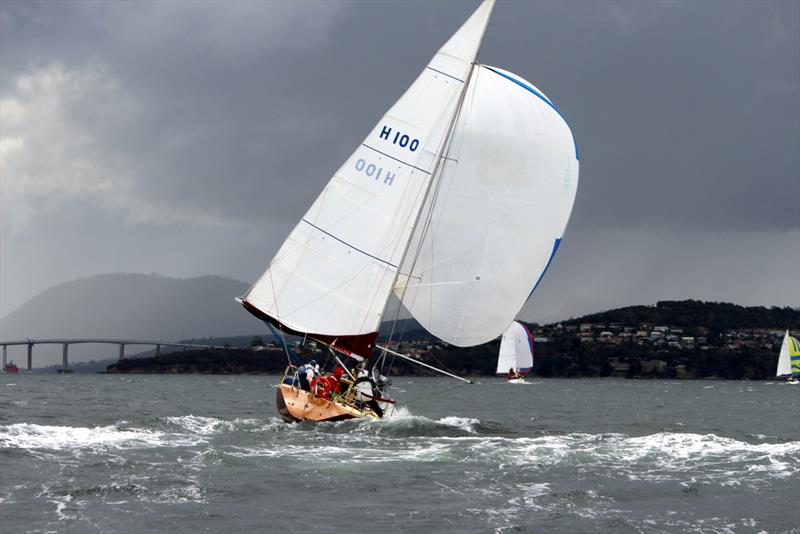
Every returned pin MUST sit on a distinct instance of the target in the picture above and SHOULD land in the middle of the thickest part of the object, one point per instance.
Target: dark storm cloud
(192, 117)
(687, 113)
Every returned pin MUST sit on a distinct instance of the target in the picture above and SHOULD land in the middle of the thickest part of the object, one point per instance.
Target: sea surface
(189, 454)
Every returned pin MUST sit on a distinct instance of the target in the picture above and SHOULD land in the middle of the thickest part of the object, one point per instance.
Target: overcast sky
(187, 138)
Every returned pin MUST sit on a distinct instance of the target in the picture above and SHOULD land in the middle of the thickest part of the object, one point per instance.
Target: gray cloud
(187, 138)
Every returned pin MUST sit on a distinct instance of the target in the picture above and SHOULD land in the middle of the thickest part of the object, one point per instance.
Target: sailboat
(455, 203)
(515, 359)
(789, 359)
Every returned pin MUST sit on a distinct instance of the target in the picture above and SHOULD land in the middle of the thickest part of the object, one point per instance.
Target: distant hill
(138, 306)
(700, 340)
(688, 313)
(196, 309)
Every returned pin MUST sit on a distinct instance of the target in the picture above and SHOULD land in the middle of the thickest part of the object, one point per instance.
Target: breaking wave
(404, 437)
(206, 426)
(32, 436)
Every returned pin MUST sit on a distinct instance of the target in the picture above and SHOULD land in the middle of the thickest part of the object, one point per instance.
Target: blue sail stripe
(556, 244)
(544, 99)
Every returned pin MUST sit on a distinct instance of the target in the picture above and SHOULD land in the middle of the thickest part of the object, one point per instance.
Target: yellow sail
(794, 355)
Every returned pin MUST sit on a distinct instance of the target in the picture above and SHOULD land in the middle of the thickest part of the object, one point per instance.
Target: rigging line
(432, 355)
(283, 341)
(346, 370)
(428, 219)
(435, 177)
(325, 363)
(436, 394)
(423, 364)
(441, 153)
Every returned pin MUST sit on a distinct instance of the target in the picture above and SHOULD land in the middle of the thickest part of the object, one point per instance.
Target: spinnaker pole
(412, 360)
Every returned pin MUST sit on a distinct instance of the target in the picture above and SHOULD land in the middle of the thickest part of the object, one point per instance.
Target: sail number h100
(372, 170)
(399, 138)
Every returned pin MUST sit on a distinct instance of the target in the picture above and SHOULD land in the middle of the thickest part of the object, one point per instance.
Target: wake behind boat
(430, 207)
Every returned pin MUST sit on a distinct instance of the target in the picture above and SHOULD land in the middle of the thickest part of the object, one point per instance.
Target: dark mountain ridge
(692, 313)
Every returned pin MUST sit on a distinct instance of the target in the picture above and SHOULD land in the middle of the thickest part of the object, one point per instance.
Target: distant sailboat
(516, 352)
(789, 359)
(432, 207)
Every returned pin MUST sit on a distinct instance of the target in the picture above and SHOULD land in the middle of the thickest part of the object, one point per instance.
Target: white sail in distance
(784, 365)
(516, 349)
(497, 213)
(333, 275)
(789, 357)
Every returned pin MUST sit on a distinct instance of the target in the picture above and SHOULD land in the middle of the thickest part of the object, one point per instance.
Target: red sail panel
(360, 345)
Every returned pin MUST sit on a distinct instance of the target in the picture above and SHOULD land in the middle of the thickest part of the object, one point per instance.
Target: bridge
(121, 342)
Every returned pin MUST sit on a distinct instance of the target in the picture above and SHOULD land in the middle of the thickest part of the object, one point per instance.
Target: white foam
(661, 456)
(200, 425)
(205, 426)
(398, 412)
(61, 505)
(464, 423)
(30, 436)
(402, 413)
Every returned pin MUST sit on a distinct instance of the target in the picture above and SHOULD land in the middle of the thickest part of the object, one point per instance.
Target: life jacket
(335, 385)
(322, 387)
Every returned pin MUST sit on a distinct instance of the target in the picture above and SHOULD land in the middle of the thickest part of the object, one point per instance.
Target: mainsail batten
(333, 275)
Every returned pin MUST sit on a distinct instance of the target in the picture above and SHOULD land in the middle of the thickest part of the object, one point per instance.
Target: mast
(441, 154)
(334, 274)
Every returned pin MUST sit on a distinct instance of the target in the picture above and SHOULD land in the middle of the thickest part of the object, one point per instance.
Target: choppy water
(105, 453)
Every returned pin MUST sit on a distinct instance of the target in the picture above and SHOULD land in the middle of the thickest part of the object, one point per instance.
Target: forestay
(333, 275)
(496, 215)
(516, 349)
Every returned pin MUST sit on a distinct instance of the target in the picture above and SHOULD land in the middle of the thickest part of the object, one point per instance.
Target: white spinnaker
(515, 349)
(784, 358)
(500, 208)
(334, 273)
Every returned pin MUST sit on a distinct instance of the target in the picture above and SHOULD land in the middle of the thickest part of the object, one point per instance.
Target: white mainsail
(457, 200)
(516, 349)
(784, 363)
(333, 275)
(498, 212)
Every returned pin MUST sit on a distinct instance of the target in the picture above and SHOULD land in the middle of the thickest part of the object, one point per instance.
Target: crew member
(306, 374)
(365, 386)
(336, 381)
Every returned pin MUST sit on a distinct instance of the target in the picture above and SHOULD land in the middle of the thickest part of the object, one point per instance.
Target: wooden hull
(296, 405)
